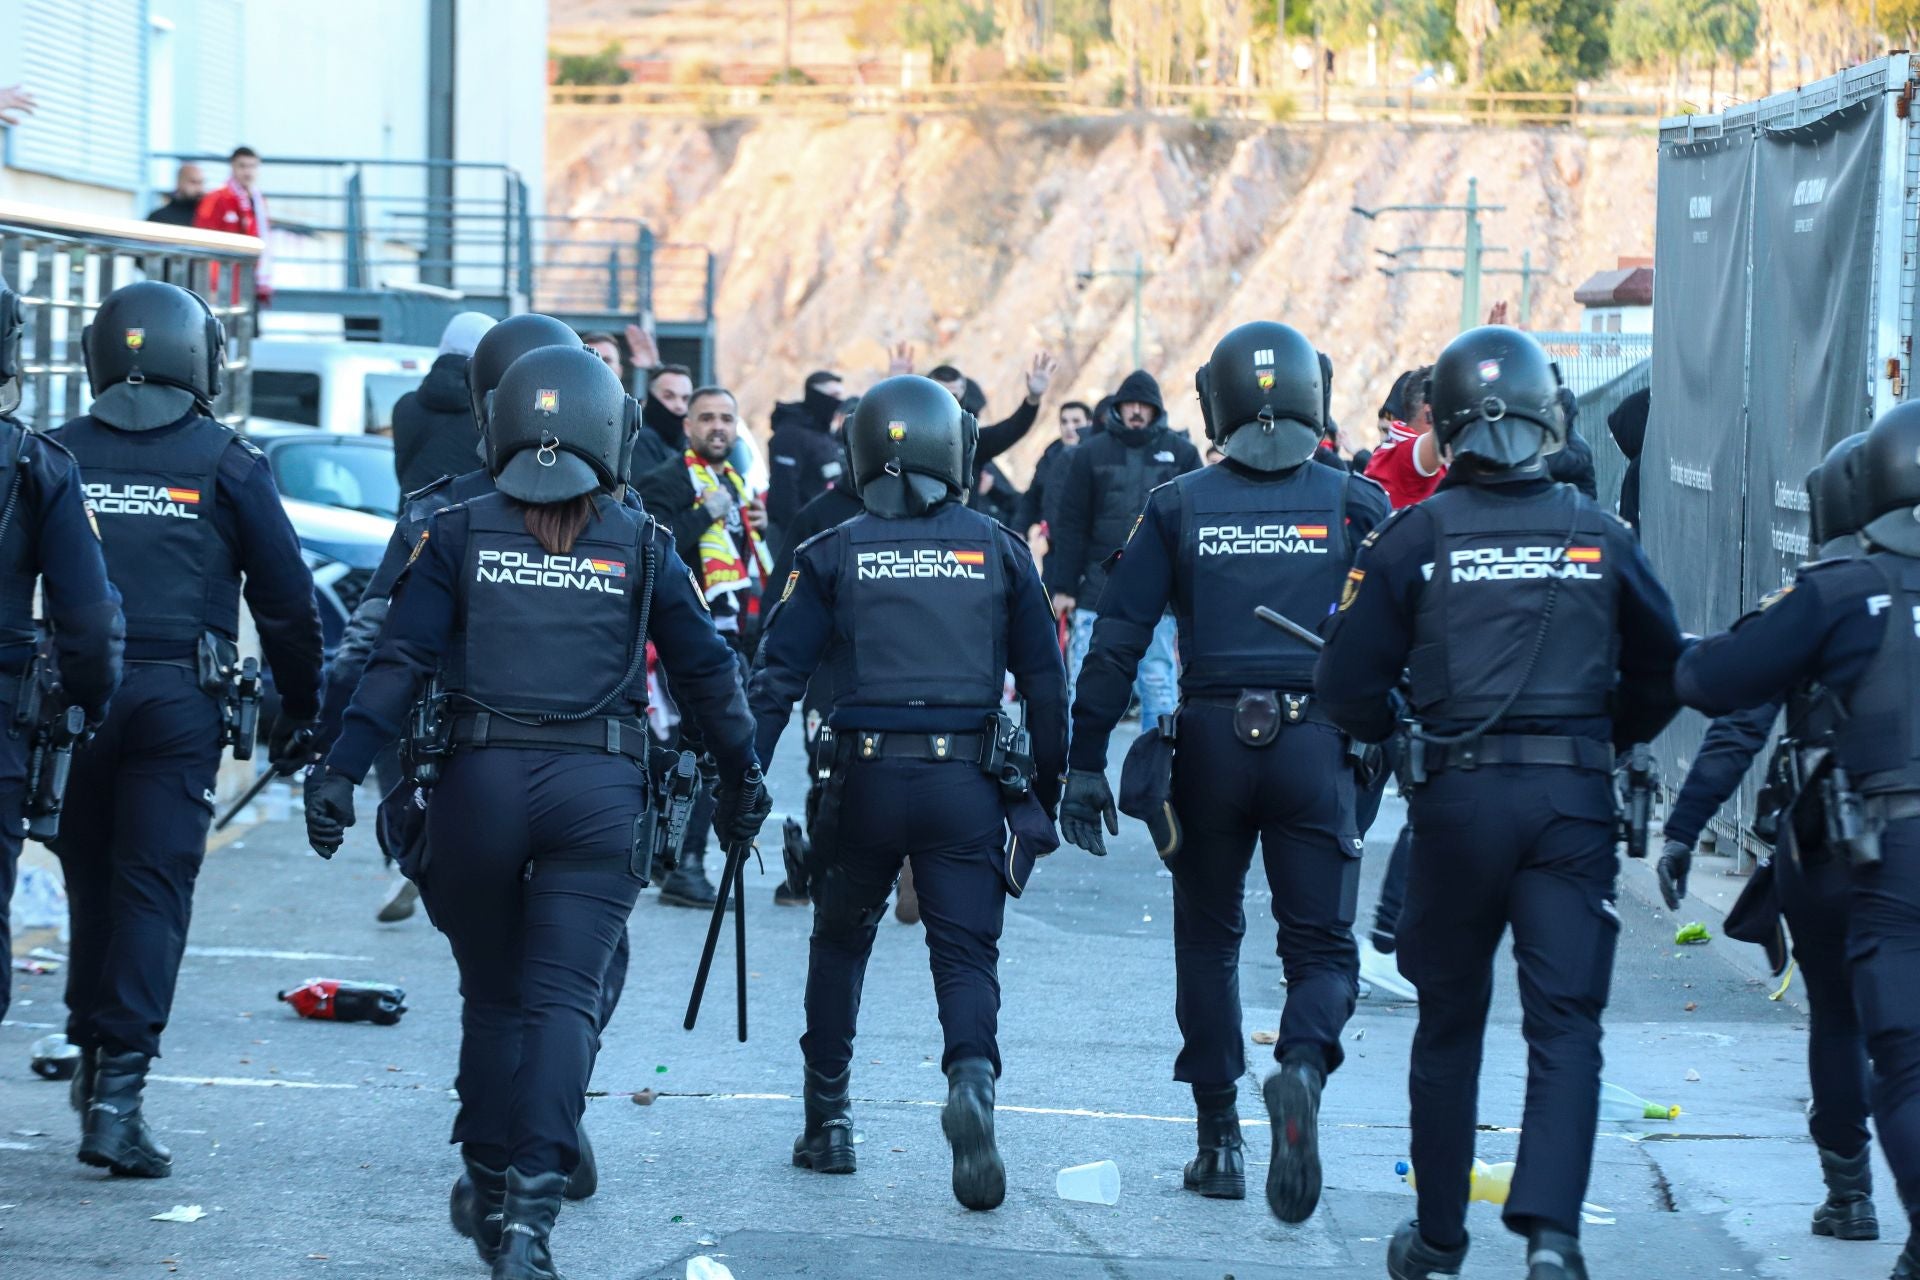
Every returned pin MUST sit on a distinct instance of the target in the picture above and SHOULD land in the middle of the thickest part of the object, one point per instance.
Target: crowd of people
(1453, 609)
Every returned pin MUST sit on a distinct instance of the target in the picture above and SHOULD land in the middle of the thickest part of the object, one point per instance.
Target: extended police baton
(1289, 626)
(733, 878)
(302, 742)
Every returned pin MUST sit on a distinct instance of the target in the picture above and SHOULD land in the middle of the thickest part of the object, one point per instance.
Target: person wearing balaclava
(663, 412)
(805, 456)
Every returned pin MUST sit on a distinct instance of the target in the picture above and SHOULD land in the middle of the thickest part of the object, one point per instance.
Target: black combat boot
(477, 1204)
(585, 1178)
(1907, 1265)
(533, 1202)
(687, 885)
(1848, 1213)
(1554, 1255)
(1219, 1170)
(1410, 1257)
(827, 1144)
(1293, 1105)
(115, 1135)
(979, 1179)
(80, 1090)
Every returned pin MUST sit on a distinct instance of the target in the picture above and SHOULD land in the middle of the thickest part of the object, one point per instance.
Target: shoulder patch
(420, 546)
(698, 594)
(793, 580)
(1136, 527)
(1351, 587)
(1774, 597)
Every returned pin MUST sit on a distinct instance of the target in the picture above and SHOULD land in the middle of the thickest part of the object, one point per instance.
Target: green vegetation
(600, 68)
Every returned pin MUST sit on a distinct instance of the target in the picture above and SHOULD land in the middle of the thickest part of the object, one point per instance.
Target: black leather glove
(740, 806)
(1087, 802)
(329, 810)
(289, 743)
(1675, 861)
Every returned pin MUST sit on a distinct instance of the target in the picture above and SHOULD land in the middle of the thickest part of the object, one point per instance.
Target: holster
(828, 781)
(676, 781)
(235, 683)
(1146, 785)
(400, 825)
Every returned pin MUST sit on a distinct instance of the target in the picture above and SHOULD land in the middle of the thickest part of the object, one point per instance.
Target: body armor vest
(18, 565)
(1879, 741)
(546, 634)
(921, 612)
(152, 493)
(1496, 560)
(1243, 542)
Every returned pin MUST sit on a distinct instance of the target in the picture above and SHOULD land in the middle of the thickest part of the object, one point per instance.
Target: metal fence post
(356, 232)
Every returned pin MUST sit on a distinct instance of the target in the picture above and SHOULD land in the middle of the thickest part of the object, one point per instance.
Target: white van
(331, 385)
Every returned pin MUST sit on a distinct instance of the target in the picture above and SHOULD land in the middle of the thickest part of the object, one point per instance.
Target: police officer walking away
(44, 537)
(535, 604)
(1254, 758)
(918, 607)
(1806, 880)
(1850, 624)
(186, 510)
(1536, 640)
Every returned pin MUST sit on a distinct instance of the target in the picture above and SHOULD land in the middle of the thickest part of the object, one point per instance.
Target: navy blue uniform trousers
(534, 947)
(1813, 897)
(1531, 847)
(13, 826)
(946, 818)
(132, 838)
(1296, 798)
(1883, 946)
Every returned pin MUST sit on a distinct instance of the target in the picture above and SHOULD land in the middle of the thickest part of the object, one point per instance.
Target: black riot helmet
(1263, 396)
(558, 426)
(1887, 476)
(13, 324)
(1833, 498)
(500, 346)
(154, 353)
(1496, 400)
(911, 446)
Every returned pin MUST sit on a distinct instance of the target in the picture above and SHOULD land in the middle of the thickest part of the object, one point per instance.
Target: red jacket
(227, 209)
(1395, 468)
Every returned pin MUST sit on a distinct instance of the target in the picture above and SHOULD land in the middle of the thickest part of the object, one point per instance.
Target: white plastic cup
(1096, 1183)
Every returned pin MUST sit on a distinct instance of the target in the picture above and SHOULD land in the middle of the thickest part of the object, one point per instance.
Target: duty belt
(1519, 748)
(601, 733)
(874, 744)
(1894, 806)
(1295, 708)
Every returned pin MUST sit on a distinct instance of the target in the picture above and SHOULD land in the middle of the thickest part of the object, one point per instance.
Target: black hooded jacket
(433, 428)
(661, 439)
(1104, 487)
(806, 458)
(1628, 426)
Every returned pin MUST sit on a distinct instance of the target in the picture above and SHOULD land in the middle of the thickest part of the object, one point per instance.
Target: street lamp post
(1472, 249)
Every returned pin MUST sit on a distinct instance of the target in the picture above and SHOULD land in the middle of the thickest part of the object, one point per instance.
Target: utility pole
(1139, 275)
(1526, 271)
(1471, 249)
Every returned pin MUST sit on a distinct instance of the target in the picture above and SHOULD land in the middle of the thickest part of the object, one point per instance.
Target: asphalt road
(320, 1149)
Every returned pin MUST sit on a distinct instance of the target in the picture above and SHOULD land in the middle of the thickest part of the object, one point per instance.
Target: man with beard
(1102, 494)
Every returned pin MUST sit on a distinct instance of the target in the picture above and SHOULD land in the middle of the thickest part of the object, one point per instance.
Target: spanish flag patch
(1583, 555)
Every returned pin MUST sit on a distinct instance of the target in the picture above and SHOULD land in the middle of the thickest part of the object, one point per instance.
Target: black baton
(1289, 626)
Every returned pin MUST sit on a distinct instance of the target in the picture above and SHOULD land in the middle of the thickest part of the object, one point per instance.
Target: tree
(944, 25)
(591, 68)
(1573, 33)
(1084, 23)
(1478, 21)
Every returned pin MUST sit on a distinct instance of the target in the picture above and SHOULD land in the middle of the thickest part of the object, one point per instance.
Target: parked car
(344, 387)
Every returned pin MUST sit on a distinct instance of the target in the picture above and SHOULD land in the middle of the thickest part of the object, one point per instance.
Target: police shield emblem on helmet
(546, 400)
(896, 431)
(136, 338)
(1489, 371)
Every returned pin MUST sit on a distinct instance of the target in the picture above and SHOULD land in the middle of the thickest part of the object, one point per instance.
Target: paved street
(320, 1149)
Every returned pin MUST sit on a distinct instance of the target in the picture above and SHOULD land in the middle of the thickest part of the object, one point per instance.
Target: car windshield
(383, 392)
(357, 478)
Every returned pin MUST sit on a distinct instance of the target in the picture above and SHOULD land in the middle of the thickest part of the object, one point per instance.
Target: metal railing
(64, 264)
(1409, 104)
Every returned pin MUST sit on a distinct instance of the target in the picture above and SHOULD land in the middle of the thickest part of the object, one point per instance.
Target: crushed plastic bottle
(1691, 934)
(704, 1268)
(54, 1058)
(1623, 1104)
(1490, 1183)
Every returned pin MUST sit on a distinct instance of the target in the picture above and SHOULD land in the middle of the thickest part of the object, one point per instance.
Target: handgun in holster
(1850, 830)
(236, 683)
(1636, 807)
(429, 735)
(49, 764)
(1007, 756)
(679, 788)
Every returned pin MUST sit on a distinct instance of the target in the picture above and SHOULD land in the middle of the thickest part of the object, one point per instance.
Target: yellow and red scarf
(723, 568)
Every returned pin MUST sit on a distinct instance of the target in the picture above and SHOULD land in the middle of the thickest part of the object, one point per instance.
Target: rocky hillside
(964, 237)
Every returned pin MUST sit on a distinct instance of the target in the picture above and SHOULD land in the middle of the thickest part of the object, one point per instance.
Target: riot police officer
(536, 604)
(1536, 640)
(187, 510)
(44, 536)
(1849, 624)
(1805, 880)
(1255, 759)
(918, 607)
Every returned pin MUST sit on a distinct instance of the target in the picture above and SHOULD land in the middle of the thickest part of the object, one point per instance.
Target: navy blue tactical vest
(921, 611)
(1496, 560)
(1245, 542)
(538, 633)
(153, 494)
(1879, 740)
(18, 567)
